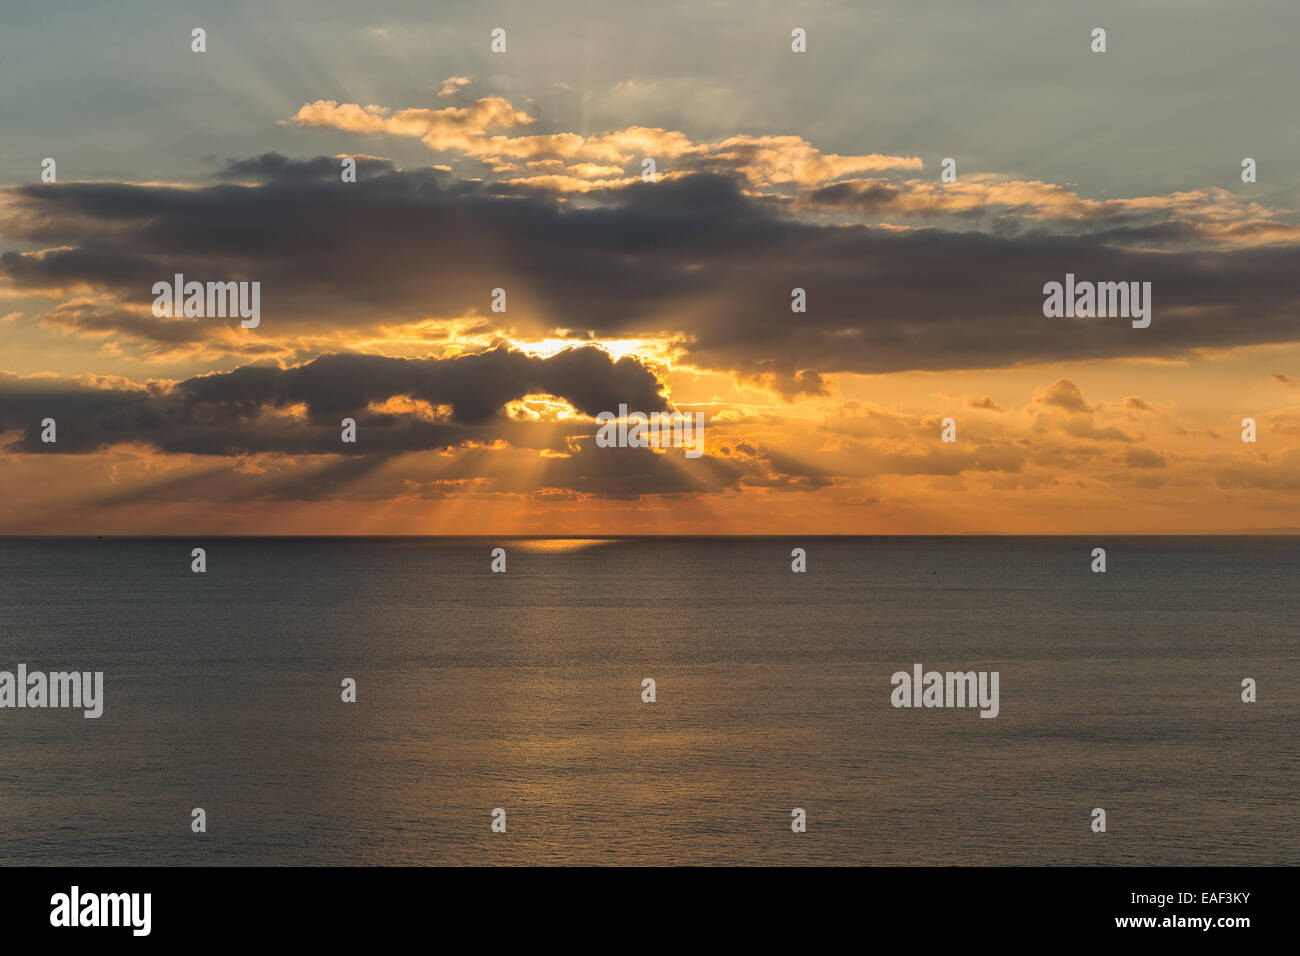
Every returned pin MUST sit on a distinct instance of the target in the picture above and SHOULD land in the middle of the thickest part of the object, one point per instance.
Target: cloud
(278, 431)
(272, 167)
(478, 131)
(462, 128)
(1079, 418)
(1211, 216)
(1143, 458)
(453, 84)
(1282, 474)
(693, 260)
(1086, 429)
(1064, 394)
(254, 408)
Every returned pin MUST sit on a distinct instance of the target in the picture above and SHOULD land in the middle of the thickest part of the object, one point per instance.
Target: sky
(525, 171)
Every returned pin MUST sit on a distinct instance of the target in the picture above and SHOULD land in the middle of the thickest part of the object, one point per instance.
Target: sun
(618, 348)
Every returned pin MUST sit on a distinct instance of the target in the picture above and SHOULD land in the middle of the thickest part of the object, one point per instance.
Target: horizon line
(1268, 533)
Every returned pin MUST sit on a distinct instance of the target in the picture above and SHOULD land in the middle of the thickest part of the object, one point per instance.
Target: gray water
(523, 691)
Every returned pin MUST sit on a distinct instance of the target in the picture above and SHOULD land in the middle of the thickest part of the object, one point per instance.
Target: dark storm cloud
(233, 414)
(274, 167)
(691, 256)
(871, 197)
(226, 413)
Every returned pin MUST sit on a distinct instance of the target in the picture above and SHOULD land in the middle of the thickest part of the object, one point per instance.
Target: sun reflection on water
(561, 545)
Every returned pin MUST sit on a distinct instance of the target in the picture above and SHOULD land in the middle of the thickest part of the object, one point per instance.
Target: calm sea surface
(523, 691)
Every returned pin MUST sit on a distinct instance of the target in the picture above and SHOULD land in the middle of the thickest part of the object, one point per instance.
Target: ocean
(523, 691)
